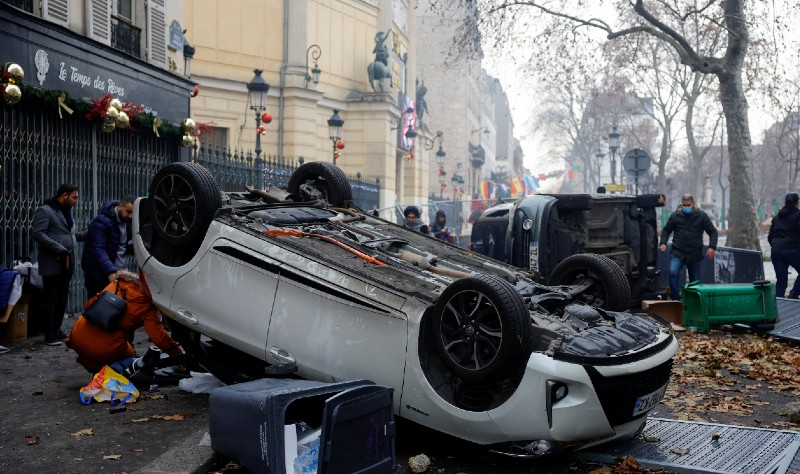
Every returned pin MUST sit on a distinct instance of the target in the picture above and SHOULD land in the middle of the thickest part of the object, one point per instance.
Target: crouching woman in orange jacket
(96, 347)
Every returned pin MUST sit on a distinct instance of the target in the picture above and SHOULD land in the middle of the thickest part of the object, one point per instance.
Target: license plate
(534, 259)
(647, 402)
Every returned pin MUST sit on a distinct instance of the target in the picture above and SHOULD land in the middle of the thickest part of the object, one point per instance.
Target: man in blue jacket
(688, 224)
(784, 242)
(54, 231)
(107, 243)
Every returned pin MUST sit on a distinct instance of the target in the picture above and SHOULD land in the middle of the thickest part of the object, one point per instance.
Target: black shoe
(52, 341)
(62, 336)
(152, 355)
(134, 368)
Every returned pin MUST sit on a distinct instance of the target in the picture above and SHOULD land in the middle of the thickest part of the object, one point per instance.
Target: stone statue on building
(380, 50)
(378, 70)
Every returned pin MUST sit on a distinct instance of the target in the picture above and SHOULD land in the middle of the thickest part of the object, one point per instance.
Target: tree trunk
(742, 217)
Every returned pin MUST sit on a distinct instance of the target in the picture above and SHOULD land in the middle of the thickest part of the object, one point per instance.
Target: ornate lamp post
(440, 155)
(257, 90)
(335, 124)
(313, 75)
(613, 146)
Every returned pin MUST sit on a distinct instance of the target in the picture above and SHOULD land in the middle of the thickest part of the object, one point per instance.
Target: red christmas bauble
(260, 130)
(411, 154)
(196, 91)
(266, 117)
(340, 145)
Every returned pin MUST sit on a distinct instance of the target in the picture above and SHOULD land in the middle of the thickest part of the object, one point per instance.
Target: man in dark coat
(107, 243)
(688, 224)
(54, 231)
(784, 241)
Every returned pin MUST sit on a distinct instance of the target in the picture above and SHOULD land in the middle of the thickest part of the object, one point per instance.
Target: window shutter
(98, 20)
(156, 33)
(56, 11)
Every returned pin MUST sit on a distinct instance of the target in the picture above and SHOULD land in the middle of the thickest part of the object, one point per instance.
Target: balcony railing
(26, 5)
(126, 37)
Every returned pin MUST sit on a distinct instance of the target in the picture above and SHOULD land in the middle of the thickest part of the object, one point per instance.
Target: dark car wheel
(482, 328)
(609, 290)
(321, 180)
(184, 198)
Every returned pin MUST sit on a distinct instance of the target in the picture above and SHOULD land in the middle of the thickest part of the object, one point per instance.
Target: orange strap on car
(299, 233)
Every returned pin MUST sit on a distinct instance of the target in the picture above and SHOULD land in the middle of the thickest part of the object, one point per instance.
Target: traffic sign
(636, 162)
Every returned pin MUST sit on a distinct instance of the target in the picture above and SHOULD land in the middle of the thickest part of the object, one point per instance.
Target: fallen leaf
(83, 432)
(33, 440)
(651, 439)
(174, 417)
(155, 396)
(680, 451)
(112, 456)
(140, 420)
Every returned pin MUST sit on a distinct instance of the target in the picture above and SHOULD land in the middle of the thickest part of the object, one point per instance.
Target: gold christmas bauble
(13, 73)
(188, 125)
(107, 127)
(112, 114)
(11, 94)
(187, 141)
(123, 120)
(116, 103)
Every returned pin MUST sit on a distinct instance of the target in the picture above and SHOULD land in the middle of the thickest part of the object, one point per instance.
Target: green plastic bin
(708, 304)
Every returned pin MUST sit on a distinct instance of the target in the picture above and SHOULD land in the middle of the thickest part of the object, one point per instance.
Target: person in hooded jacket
(107, 243)
(412, 220)
(784, 241)
(688, 224)
(96, 347)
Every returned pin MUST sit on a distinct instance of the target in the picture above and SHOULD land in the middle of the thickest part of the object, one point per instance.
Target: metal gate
(39, 151)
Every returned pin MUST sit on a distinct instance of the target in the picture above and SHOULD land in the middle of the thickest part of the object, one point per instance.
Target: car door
(228, 296)
(334, 332)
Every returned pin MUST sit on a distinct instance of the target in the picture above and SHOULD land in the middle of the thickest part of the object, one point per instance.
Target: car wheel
(609, 285)
(321, 180)
(482, 328)
(184, 198)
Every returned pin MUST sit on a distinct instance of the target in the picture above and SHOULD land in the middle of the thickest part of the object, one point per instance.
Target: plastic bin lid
(358, 432)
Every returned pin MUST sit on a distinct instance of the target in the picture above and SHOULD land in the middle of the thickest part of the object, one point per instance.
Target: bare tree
(663, 22)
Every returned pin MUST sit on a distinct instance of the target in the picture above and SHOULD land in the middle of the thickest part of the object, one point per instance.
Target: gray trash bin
(247, 423)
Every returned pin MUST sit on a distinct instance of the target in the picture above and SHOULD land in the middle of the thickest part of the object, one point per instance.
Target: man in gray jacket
(56, 237)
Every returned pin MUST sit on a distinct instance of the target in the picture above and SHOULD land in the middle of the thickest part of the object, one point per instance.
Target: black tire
(482, 328)
(610, 287)
(324, 180)
(184, 198)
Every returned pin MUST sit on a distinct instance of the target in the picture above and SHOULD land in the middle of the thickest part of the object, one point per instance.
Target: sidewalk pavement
(44, 427)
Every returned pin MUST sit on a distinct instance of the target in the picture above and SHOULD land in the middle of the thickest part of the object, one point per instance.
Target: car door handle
(186, 315)
(281, 355)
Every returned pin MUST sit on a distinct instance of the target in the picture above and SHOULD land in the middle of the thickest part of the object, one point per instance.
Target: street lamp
(257, 90)
(599, 156)
(613, 146)
(335, 124)
(313, 75)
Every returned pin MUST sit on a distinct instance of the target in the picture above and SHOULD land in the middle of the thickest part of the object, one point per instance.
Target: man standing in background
(784, 241)
(54, 231)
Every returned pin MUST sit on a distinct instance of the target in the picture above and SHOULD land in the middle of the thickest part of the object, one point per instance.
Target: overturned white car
(298, 281)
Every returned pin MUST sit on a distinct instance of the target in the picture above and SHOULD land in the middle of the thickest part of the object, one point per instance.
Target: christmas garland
(95, 110)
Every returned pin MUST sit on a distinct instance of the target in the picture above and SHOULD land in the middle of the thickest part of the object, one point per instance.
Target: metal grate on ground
(707, 448)
(788, 326)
